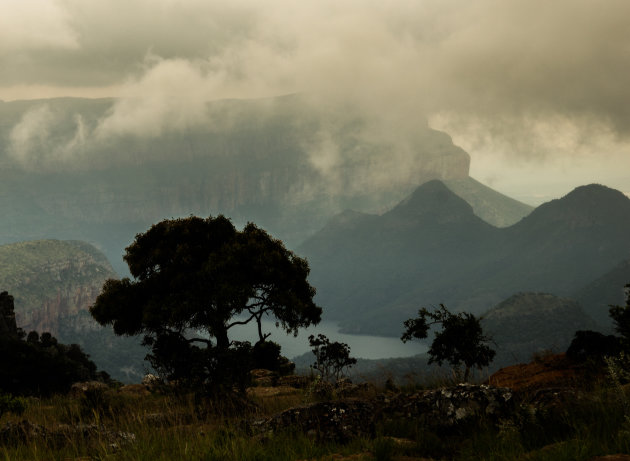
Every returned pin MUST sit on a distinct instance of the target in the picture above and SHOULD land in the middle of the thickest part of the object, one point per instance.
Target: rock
(297, 381)
(23, 431)
(150, 381)
(345, 388)
(262, 377)
(444, 409)
(27, 432)
(275, 391)
(338, 421)
(80, 389)
(134, 389)
(451, 407)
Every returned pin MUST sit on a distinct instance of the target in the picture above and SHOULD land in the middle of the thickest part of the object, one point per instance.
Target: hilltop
(373, 272)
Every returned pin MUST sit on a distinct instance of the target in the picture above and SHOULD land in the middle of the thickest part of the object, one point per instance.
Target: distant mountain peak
(584, 205)
(432, 199)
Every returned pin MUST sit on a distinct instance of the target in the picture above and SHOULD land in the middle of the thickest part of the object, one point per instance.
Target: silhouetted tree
(39, 365)
(621, 318)
(202, 275)
(330, 358)
(595, 346)
(461, 339)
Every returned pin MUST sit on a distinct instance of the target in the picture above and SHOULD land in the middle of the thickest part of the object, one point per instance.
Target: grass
(167, 427)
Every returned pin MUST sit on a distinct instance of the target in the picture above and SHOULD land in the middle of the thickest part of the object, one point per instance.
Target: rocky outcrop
(52, 280)
(445, 409)
(338, 421)
(452, 407)
(27, 432)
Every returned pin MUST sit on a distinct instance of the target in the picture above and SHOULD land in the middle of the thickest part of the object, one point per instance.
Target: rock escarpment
(285, 163)
(51, 280)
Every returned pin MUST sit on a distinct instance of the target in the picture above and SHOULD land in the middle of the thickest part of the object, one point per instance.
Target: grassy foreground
(113, 425)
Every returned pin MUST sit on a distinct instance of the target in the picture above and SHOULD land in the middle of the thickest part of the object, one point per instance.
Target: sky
(535, 91)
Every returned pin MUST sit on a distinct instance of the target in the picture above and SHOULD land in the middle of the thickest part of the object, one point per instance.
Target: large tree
(193, 274)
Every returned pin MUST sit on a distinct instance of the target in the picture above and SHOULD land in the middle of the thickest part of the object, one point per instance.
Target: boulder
(15, 433)
(296, 381)
(150, 381)
(452, 407)
(338, 421)
(262, 377)
(88, 387)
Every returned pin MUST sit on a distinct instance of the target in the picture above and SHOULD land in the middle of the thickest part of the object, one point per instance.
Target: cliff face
(283, 163)
(51, 280)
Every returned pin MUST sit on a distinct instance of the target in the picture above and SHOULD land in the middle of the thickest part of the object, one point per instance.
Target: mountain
(374, 271)
(285, 163)
(530, 323)
(51, 280)
(608, 289)
(490, 205)
(371, 269)
(54, 283)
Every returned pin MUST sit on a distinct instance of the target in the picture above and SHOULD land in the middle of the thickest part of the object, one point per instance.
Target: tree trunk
(223, 342)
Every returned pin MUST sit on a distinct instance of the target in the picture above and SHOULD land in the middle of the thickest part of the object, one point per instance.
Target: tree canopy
(203, 275)
(621, 318)
(461, 339)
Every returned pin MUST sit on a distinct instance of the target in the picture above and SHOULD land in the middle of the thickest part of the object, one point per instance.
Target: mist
(516, 83)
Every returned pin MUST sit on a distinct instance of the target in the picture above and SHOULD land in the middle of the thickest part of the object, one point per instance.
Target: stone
(296, 381)
(80, 389)
(452, 407)
(26, 432)
(338, 421)
(263, 377)
(134, 389)
(151, 380)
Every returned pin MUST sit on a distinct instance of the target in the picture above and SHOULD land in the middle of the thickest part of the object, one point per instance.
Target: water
(361, 346)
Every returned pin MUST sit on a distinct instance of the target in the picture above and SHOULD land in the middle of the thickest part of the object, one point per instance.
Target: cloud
(171, 96)
(30, 137)
(34, 25)
(37, 141)
(531, 79)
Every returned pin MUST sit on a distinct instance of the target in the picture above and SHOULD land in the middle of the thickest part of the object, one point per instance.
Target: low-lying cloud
(498, 74)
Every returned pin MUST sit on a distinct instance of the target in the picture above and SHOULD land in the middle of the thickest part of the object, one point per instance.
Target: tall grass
(167, 427)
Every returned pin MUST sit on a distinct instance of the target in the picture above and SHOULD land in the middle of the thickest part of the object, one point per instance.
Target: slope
(490, 205)
(375, 271)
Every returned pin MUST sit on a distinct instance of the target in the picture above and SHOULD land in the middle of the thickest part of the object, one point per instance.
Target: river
(361, 346)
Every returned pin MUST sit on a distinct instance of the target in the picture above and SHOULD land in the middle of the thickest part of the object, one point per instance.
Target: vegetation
(202, 275)
(164, 427)
(595, 346)
(330, 358)
(461, 340)
(38, 365)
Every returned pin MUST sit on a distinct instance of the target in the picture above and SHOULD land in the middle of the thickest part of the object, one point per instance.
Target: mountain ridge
(464, 263)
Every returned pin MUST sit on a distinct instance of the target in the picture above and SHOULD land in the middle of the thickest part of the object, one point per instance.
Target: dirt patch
(551, 371)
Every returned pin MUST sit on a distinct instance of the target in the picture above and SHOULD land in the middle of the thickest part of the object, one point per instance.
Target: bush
(10, 404)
